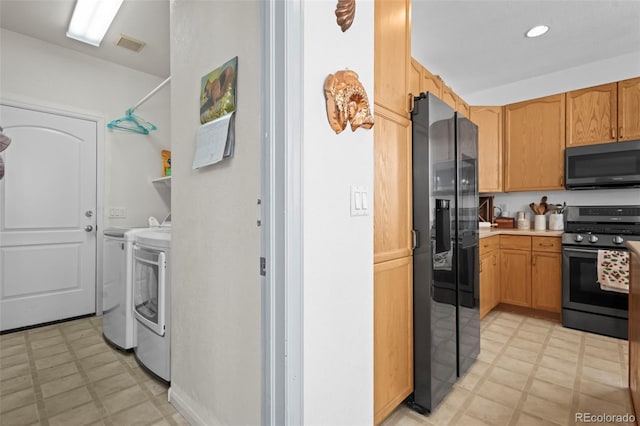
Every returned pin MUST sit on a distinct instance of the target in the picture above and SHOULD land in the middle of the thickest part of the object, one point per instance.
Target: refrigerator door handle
(415, 242)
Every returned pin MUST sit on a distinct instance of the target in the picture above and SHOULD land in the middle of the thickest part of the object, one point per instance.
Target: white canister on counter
(556, 222)
(523, 221)
(540, 222)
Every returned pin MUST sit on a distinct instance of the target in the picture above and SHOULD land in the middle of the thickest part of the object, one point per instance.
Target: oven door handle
(590, 251)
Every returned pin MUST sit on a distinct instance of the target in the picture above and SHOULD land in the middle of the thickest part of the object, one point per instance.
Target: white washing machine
(118, 325)
(152, 300)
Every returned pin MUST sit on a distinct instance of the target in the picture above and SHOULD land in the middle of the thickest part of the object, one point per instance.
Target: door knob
(88, 228)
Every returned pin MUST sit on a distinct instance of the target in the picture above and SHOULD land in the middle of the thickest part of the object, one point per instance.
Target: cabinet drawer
(488, 244)
(551, 244)
(516, 242)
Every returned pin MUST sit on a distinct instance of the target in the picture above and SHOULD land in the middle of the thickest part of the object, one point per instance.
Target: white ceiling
(478, 45)
(145, 20)
(474, 45)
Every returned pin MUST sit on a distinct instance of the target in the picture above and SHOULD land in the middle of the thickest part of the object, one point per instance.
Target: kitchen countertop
(490, 232)
(634, 246)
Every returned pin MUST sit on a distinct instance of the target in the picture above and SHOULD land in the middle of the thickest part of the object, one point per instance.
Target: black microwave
(607, 165)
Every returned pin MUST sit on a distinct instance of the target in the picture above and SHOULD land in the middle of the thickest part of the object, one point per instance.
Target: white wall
(592, 74)
(519, 201)
(216, 346)
(338, 248)
(42, 74)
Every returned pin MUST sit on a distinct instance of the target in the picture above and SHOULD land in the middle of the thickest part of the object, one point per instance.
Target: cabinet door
(515, 277)
(448, 96)
(431, 83)
(591, 115)
(462, 107)
(546, 281)
(415, 77)
(489, 122)
(393, 335)
(486, 285)
(534, 144)
(497, 280)
(629, 109)
(392, 220)
(392, 54)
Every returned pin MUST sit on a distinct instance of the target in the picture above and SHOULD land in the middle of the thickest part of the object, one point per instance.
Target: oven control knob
(578, 238)
(618, 239)
(593, 239)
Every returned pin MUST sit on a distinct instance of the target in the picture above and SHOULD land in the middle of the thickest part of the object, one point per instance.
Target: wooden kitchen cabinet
(534, 133)
(531, 272)
(489, 274)
(448, 96)
(392, 214)
(392, 57)
(515, 274)
(546, 281)
(415, 77)
(629, 109)
(431, 83)
(393, 335)
(592, 115)
(490, 123)
(462, 107)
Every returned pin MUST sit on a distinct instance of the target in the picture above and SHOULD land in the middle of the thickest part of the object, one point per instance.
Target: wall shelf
(164, 180)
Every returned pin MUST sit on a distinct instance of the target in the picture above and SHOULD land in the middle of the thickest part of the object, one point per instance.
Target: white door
(47, 218)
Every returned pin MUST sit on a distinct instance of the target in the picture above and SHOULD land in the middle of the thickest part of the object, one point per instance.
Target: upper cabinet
(603, 114)
(489, 121)
(392, 52)
(534, 134)
(462, 107)
(592, 115)
(431, 83)
(448, 96)
(415, 77)
(629, 109)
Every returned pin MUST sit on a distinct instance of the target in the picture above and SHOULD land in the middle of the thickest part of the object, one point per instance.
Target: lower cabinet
(489, 275)
(393, 335)
(531, 272)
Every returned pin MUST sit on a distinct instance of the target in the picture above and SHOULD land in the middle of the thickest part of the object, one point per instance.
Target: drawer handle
(546, 245)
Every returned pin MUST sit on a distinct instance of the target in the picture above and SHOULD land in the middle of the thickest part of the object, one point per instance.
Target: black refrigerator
(446, 316)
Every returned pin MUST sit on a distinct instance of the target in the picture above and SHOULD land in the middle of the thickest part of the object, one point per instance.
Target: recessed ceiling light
(537, 31)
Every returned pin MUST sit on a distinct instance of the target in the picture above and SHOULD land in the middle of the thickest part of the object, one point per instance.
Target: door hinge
(263, 266)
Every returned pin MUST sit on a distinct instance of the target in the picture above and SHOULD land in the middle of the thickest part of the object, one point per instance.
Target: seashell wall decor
(347, 101)
(345, 12)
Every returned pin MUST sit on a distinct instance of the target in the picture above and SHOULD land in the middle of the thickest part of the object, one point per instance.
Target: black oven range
(588, 229)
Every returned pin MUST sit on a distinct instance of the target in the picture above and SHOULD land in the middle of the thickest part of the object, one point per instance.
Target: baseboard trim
(181, 404)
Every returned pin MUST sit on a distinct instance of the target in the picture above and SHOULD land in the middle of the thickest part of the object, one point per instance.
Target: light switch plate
(117, 212)
(359, 201)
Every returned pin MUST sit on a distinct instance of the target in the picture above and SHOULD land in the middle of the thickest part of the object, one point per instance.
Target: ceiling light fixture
(91, 20)
(537, 31)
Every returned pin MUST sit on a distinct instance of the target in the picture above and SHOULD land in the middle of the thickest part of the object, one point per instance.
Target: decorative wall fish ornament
(347, 101)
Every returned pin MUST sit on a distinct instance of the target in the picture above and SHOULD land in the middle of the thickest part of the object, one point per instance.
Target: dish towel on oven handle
(613, 270)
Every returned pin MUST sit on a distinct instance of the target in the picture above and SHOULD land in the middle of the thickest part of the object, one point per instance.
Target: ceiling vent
(130, 43)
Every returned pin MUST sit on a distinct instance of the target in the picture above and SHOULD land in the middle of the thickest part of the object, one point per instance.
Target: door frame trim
(100, 126)
(281, 211)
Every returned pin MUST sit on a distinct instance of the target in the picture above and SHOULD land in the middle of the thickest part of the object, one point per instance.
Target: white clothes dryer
(118, 325)
(152, 300)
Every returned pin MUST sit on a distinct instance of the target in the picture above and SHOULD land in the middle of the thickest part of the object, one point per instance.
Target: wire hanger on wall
(133, 123)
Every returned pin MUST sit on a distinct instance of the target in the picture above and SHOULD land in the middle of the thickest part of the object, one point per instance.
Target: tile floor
(533, 372)
(65, 374)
